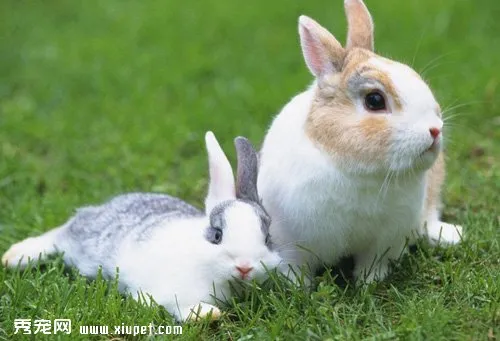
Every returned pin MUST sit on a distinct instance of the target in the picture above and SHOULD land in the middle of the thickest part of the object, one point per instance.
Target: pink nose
(434, 132)
(244, 270)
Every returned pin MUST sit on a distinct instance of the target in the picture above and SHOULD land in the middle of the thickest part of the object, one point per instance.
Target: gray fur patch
(217, 215)
(265, 221)
(248, 166)
(97, 230)
(217, 218)
(358, 81)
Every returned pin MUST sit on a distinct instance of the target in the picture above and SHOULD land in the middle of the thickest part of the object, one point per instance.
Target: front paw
(441, 233)
(203, 311)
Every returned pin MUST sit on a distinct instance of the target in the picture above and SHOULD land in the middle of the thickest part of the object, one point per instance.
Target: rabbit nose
(434, 132)
(244, 270)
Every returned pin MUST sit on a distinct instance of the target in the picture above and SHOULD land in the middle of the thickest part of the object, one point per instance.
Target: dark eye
(268, 241)
(375, 101)
(214, 235)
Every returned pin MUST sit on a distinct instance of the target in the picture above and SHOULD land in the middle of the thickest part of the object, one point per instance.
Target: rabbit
(166, 248)
(353, 166)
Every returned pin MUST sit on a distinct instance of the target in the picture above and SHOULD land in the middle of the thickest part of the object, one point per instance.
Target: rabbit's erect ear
(246, 179)
(221, 185)
(360, 25)
(322, 52)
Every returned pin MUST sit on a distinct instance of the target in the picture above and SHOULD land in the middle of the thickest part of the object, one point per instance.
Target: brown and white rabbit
(354, 164)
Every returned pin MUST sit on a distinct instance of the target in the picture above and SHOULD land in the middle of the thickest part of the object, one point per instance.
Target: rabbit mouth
(426, 158)
(435, 147)
(244, 277)
(431, 149)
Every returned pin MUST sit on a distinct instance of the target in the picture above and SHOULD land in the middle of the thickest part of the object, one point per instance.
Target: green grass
(103, 97)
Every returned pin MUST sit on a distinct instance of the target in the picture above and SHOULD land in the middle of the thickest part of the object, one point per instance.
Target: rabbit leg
(368, 268)
(374, 264)
(435, 230)
(32, 249)
(200, 311)
(439, 232)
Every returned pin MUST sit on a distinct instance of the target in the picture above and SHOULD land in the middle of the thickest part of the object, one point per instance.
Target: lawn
(104, 97)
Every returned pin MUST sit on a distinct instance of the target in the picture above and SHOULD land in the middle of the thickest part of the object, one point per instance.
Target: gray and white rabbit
(167, 248)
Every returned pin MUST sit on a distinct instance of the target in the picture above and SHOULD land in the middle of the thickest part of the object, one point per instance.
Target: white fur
(410, 128)
(330, 212)
(221, 186)
(186, 268)
(176, 265)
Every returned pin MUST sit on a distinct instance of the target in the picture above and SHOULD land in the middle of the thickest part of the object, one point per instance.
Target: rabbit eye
(218, 236)
(268, 239)
(214, 235)
(375, 101)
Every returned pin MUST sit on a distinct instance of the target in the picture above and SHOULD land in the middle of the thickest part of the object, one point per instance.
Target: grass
(103, 97)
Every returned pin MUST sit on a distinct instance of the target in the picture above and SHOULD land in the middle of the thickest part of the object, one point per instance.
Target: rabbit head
(238, 223)
(369, 113)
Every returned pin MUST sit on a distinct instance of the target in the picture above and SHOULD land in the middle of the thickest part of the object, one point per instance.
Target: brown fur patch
(371, 126)
(356, 63)
(355, 59)
(360, 25)
(332, 124)
(435, 180)
(332, 121)
(335, 51)
(389, 87)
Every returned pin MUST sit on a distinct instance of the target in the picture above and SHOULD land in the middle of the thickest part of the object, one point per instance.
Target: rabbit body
(329, 213)
(145, 236)
(100, 234)
(354, 165)
(166, 248)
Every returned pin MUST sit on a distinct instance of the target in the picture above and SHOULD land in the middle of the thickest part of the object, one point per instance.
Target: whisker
(436, 65)
(452, 116)
(453, 124)
(424, 69)
(381, 190)
(417, 50)
(443, 112)
(439, 76)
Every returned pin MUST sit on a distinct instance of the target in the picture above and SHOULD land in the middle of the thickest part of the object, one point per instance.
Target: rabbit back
(94, 234)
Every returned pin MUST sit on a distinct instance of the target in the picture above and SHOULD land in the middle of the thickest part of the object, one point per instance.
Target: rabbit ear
(322, 52)
(221, 186)
(246, 179)
(360, 25)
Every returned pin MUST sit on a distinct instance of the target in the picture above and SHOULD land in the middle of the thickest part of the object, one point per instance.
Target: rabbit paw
(202, 311)
(443, 233)
(20, 253)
